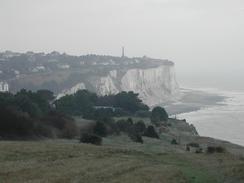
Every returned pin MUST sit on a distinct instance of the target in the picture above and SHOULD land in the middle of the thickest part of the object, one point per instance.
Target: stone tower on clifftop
(123, 52)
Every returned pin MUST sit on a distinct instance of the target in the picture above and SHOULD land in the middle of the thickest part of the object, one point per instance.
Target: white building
(4, 87)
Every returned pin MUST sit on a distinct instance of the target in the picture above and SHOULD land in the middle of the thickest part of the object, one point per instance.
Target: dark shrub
(91, 139)
(158, 115)
(140, 127)
(121, 125)
(70, 130)
(135, 137)
(100, 129)
(129, 101)
(199, 150)
(188, 148)
(220, 149)
(15, 124)
(194, 147)
(174, 142)
(44, 131)
(65, 126)
(150, 132)
(111, 126)
(130, 121)
(217, 149)
(18, 125)
(211, 149)
(125, 125)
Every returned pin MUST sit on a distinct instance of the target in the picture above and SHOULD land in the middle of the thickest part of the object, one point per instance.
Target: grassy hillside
(69, 161)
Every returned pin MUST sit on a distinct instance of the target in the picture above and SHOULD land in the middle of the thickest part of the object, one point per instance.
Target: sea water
(224, 121)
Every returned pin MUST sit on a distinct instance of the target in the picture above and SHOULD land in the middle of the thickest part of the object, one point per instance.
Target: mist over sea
(225, 121)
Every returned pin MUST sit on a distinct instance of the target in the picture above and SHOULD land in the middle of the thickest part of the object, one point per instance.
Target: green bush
(100, 129)
(158, 115)
(135, 137)
(86, 103)
(91, 139)
(150, 132)
(174, 142)
(211, 149)
(65, 126)
(15, 124)
(125, 125)
(111, 126)
(220, 149)
(140, 127)
(215, 149)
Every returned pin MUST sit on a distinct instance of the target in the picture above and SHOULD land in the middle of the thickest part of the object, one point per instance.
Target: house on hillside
(107, 107)
(4, 87)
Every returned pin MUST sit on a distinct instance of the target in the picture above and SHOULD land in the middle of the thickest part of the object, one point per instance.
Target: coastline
(222, 120)
(194, 100)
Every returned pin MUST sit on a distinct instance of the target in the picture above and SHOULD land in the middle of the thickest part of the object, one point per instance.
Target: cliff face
(154, 85)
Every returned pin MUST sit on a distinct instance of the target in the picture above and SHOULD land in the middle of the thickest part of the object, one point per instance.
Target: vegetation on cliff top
(28, 114)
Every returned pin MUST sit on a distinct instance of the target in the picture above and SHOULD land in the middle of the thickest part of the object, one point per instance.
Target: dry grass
(63, 161)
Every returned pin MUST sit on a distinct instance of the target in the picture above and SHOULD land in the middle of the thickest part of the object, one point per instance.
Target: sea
(224, 120)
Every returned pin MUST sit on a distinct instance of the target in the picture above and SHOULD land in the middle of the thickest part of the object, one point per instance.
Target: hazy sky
(205, 38)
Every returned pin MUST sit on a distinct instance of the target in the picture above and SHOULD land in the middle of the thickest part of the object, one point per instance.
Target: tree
(81, 103)
(150, 132)
(100, 129)
(158, 115)
(91, 139)
(46, 94)
(15, 124)
(129, 101)
(33, 103)
(25, 104)
(140, 127)
(125, 125)
(66, 104)
(6, 99)
(135, 137)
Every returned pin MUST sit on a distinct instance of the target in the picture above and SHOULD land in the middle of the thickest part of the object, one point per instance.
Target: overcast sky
(203, 37)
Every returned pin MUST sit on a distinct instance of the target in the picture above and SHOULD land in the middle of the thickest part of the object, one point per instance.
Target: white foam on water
(224, 122)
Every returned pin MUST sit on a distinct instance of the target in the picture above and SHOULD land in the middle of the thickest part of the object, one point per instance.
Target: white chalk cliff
(154, 85)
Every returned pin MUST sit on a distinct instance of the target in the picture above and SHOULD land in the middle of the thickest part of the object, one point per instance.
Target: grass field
(68, 161)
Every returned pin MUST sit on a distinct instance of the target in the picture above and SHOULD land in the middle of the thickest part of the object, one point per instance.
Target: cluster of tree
(32, 114)
(88, 104)
(215, 149)
(20, 125)
(108, 126)
(28, 114)
(35, 104)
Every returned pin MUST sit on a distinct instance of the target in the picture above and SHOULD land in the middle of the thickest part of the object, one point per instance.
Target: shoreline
(193, 100)
(220, 121)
